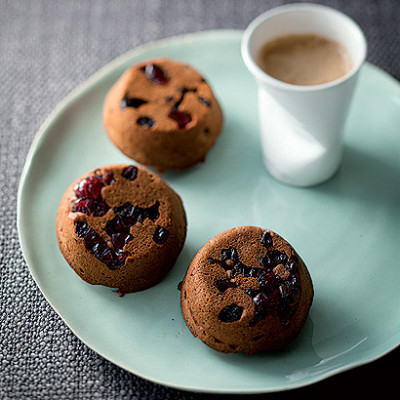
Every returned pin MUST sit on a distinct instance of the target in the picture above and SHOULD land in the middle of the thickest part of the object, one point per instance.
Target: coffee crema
(304, 59)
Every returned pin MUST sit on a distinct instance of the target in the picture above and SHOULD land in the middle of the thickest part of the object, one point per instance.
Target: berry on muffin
(121, 226)
(246, 290)
(162, 113)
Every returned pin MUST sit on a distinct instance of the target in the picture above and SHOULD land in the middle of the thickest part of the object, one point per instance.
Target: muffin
(162, 113)
(121, 226)
(246, 290)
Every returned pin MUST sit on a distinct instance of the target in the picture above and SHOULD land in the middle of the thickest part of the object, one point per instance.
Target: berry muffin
(246, 290)
(121, 226)
(163, 114)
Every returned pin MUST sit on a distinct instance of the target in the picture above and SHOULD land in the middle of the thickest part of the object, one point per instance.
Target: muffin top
(121, 226)
(162, 113)
(246, 290)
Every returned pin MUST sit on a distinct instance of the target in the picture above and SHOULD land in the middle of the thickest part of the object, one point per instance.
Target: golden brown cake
(162, 113)
(121, 226)
(246, 290)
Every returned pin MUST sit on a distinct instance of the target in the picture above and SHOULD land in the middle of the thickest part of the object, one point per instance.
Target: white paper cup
(301, 126)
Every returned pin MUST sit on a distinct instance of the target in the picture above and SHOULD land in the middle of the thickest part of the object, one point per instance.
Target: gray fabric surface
(47, 48)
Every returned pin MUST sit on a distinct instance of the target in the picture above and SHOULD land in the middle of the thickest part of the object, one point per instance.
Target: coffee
(304, 59)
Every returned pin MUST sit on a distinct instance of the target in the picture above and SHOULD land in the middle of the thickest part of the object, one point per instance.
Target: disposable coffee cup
(302, 125)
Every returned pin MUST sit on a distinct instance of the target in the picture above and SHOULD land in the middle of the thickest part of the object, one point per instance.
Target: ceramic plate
(347, 230)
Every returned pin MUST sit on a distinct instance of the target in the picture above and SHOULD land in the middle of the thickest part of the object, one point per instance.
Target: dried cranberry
(231, 313)
(91, 203)
(120, 257)
(155, 74)
(266, 280)
(89, 188)
(181, 117)
(118, 224)
(81, 205)
(108, 177)
(119, 239)
(88, 192)
(127, 210)
(130, 172)
(103, 252)
(83, 230)
(95, 208)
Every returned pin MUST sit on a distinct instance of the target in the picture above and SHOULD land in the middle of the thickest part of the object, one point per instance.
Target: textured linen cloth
(49, 47)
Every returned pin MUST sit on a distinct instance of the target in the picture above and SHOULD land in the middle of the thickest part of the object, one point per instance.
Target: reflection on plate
(346, 230)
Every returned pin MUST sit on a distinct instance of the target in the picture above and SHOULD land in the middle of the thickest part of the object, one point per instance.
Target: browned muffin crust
(121, 226)
(162, 113)
(246, 290)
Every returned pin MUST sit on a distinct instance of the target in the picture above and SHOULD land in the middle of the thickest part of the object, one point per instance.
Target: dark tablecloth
(49, 47)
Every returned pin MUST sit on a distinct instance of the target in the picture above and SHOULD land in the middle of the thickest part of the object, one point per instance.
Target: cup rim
(261, 75)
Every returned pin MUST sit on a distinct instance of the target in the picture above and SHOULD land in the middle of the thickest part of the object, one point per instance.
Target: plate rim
(43, 131)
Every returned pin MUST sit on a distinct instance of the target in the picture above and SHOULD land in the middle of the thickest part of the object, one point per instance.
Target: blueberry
(266, 239)
(155, 74)
(231, 313)
(131, 102)
(184, 91)
(127, 210)
(288, 292)
(119, 224)
(291, 265)
(153, 211)
(273, 296)
(145, 121)
(230, 254)
(160, 235)
(273, 258)
(251, 292)
(204, 101)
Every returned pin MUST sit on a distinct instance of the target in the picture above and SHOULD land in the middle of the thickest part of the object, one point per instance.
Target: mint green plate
(347, 230)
